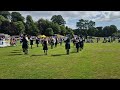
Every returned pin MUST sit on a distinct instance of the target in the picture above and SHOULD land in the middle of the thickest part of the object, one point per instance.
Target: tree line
(15, 24)
(87, 28)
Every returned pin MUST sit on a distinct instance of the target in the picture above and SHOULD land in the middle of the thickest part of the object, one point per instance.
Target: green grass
(96, 61)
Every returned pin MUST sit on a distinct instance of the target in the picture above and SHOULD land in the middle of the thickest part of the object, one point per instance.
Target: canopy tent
(4, 40)
(41, 36)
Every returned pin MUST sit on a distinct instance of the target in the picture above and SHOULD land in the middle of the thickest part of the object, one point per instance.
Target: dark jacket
(67, 44)
(45, 45)
(25, 43)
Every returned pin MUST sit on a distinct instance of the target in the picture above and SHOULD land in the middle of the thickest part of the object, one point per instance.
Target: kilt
(25, 45)
(81, 44)
(77, 45)
(67, 46)
(31, 42)
(45, 47)
(37, 41)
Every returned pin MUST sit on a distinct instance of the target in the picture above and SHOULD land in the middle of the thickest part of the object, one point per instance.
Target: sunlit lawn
(95, 61)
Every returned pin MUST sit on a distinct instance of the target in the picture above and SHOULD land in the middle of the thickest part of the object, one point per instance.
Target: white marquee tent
(4, 40)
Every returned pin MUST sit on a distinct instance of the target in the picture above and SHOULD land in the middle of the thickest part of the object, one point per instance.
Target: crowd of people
(53, 41)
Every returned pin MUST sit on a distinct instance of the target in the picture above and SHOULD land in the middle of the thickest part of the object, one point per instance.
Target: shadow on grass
(73, 52)
(58, 54)
(14, 54)
(16, 50)
(39, 55)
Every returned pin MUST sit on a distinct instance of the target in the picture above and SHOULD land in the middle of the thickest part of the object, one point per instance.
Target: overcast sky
(102, 18)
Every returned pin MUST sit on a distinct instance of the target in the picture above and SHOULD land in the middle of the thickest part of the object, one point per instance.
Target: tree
(86, 24)
(109, 30)
(80, 24)
(49, 32)
(4, 24)
(6, 14)
(76, 31)
(30, 27)
(69, 30)
(56, 28)
(2, 18)
(58, 19)
(3, 27)
(81, 27)
(19, 26)
(43, 25)
(117, 34)
(99, 33)
(92, 31)
(113, 29)
(106, 31)
(91, 24)
(16, 16)
(63, 30)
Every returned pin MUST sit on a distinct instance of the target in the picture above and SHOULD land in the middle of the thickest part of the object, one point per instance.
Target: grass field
(96, 61)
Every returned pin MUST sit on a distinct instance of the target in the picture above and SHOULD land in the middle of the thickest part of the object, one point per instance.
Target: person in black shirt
(56, 39)
(37, 41)
(81, 42)
(67, 45)
(25, 44)
(45, 47)
(31, 41)
(52, 43)
(77, 44)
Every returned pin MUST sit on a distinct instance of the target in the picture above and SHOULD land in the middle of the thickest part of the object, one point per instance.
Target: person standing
(77, 44)
(52, 42)
(25, 44)
(56, 42)
(45, 47)
(67, 45)
(31, 41)
(60, 40)
(37, 41)
(81, 42)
